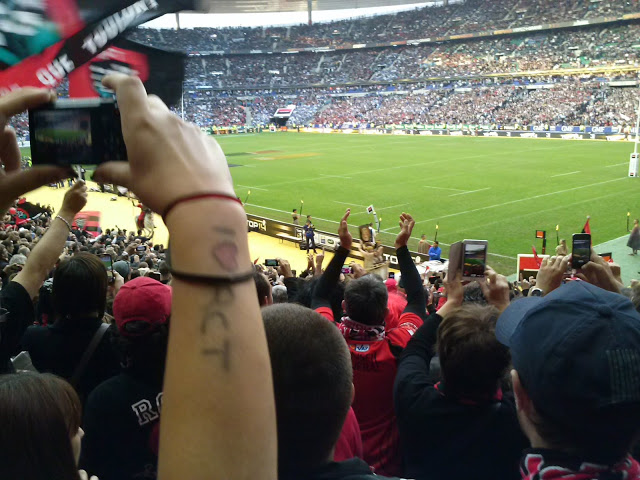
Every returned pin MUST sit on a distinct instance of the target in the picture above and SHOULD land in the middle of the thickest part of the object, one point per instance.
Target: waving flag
(62, 35)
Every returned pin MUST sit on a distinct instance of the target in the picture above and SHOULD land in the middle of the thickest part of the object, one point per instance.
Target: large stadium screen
(284, 112)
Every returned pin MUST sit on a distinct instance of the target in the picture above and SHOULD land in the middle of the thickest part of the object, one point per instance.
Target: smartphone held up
(76, 132)
(469, 258)
(580, 250)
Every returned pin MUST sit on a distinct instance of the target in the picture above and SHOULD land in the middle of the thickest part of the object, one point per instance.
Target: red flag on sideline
(587, 227)
(535, 256)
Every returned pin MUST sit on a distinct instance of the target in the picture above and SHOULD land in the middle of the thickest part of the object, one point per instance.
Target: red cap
(142, 300)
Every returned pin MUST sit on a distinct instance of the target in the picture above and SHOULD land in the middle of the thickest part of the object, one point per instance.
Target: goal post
(633, 160)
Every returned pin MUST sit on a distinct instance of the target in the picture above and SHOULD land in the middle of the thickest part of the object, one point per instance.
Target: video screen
(475, 260)
(64, 135)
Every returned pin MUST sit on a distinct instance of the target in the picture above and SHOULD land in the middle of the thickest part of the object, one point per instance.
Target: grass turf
(498, 189)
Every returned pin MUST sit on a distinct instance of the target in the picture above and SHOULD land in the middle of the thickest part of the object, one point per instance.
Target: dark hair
(163, 268)
(39, 414)
(472, 360)
(304, 296)
(143, 356)
(366, 300)
(312, 382)
(80, 287)
(472, 293)
(262, 286)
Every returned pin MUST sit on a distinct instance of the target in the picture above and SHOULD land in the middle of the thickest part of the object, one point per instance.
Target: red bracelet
(198, 196)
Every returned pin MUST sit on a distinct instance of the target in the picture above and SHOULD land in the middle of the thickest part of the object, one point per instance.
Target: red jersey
(350, 442)
(374, 372)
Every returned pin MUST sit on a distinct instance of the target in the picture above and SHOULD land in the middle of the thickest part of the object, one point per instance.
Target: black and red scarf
(548, 465)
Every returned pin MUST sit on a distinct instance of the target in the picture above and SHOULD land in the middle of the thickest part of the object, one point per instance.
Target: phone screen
(346, 270)
(581, 251)
(107, 261)
(76, 132)
(474, 260)
(271, 263)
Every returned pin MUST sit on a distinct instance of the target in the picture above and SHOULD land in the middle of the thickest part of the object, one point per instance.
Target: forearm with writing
(218, 362)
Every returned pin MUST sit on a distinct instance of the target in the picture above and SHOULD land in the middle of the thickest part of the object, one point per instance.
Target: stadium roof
(261, 6)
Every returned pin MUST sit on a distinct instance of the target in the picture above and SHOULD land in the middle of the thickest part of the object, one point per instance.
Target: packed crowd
(466, 17)
(105, 337)
(522, 102)
(591, 47)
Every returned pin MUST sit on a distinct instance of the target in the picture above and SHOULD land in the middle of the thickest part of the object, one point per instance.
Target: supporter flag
(89, 222)
(45, 41)
(587, 227)
(535, 256)
(30, 209)
(161, 71)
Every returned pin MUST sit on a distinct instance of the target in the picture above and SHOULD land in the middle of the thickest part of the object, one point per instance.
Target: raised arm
(15, 182)
(331, 274)
(416, 302)
(46, 253)
(218, 364)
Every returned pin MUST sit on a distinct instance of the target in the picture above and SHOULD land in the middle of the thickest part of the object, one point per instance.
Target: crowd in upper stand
(468, 17)
(596, 46)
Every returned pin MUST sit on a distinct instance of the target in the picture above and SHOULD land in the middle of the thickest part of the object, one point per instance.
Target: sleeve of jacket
(329, 279)
(412, 379)
(416, 302)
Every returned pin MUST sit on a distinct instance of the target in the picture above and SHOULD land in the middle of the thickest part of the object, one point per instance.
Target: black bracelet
(212, 280)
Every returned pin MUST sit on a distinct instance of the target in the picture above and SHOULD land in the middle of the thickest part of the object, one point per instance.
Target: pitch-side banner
(45, 41)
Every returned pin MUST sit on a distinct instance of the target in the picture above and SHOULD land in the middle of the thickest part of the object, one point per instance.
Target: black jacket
(15, 299)
(443, 438)
(58, 349)
(121, 422)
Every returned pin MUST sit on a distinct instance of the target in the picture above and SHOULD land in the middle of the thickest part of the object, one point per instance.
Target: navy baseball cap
(577, 353)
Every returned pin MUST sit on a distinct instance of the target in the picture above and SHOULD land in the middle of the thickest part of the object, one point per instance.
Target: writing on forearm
(215, 326)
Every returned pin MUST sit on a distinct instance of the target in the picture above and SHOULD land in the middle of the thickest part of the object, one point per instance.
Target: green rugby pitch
(498, 189)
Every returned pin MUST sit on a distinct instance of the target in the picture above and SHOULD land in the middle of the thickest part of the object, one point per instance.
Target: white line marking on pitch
(519, 200)
(392, 206)
(470, 191)
(253, 188)
(334, 176)
(350, 204)
(286, 211)
(444, 188)
(563, 174)
(616, 165)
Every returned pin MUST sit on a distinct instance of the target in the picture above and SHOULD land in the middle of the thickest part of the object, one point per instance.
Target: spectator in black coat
(464, 426)
(122, 415)
(79, 299)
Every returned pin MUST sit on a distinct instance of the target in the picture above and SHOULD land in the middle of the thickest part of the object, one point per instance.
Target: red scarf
(547, 465)
(352, 330)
